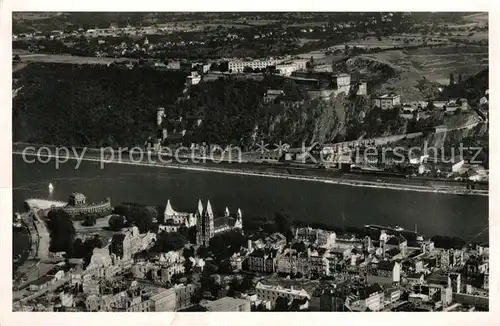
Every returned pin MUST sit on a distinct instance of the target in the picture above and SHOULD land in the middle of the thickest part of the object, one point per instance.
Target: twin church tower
(207, 226)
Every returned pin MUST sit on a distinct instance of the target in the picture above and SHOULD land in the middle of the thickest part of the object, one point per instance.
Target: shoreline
(328, 180)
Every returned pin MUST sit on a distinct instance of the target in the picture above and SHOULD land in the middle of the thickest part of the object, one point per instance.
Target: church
(207, 226)
(178, 218)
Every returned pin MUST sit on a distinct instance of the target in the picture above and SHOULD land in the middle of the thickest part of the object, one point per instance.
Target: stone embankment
(445, 189)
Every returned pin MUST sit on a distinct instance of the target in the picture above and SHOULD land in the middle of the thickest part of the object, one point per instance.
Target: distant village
(308, 269)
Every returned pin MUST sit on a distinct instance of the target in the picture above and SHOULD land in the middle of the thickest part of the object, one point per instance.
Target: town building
(262, 261)
(227, 304)
(370, 298)
(183, 295)
(286, 69)
(240, 65)
(330, 301)
(164, 300)
(384, 272)
(272, 94)
(386, 101)
(272, 293)
(317, 237)
(397, 242)
(168, 227)
(176, 217)
(392, 295)
(415, 279)
(293, 262)
(439, 288)
(193, 79)
(127, 243)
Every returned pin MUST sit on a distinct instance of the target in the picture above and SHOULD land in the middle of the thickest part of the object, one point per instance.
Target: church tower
(209, 217)
(239, 220)
(204, 224)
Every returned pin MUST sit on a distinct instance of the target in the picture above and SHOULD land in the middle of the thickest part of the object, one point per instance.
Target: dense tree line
(226, 244)
(109, 106)
(91, 105)
(85, 249)
(132, 214)
(376, 123)
(169, 241)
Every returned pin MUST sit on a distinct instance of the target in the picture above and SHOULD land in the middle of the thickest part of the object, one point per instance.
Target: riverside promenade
(409, 185)
(39, 240)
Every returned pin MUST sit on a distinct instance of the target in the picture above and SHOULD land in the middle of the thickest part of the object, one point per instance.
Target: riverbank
(249, 170)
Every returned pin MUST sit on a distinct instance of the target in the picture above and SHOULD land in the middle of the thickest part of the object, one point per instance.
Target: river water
(444, 214)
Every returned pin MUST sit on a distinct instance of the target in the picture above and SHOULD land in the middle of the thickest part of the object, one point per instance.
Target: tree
(117, 222)
(202, 252)
(169, 241)
(299, 246)
(142, 218)
(160, 217)
(78, 248)
(188, 253)
(122, 210)
(89, 220)
(62, 231)
(188, 233)
(284, 224)
(281, 304)
(226, 244)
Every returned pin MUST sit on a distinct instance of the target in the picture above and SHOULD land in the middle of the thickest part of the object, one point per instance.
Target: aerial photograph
(250, 161)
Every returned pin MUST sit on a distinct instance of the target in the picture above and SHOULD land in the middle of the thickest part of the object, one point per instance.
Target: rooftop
(414, 275)
(367, 291)
(224, 304)
(385, 265)
(42, 280)
(386, 96)
(222, 221)
(436, 278)
(278, 288)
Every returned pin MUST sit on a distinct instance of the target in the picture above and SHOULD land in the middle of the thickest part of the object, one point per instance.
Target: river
(433, 213)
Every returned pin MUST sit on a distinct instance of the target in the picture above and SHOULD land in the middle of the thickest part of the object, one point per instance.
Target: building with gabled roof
(370, 298)
(271, 293)
(178, 218)
(384, 272)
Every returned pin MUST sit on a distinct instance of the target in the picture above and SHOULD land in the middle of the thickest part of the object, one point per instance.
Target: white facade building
(286, 69)
(238, 66)
(386, 101)
(271, 293)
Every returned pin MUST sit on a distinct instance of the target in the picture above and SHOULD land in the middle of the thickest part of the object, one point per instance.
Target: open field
(371, 42)
(434, 64)
(57, 58)
(392, 41)
(479, 18)
(308, 24)
(19, 16)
